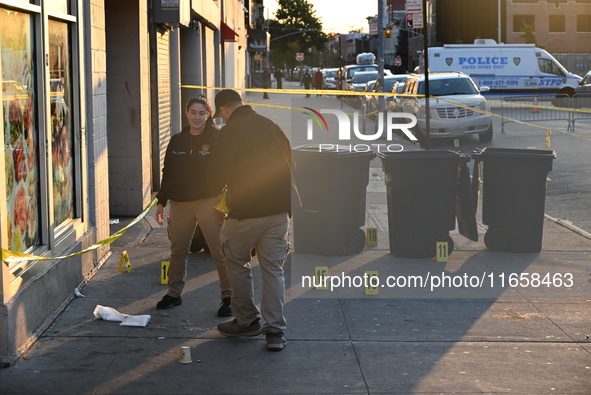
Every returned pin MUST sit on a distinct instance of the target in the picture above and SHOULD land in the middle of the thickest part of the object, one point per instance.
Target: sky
(338, 16)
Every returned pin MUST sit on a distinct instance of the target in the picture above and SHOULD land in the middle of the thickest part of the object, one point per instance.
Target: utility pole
(426, 71)
(499, 27)
(381, 55)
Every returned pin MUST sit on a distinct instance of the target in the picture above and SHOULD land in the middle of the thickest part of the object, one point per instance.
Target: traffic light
(387, 33)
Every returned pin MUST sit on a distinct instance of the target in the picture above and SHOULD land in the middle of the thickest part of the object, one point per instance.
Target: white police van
(507, 69)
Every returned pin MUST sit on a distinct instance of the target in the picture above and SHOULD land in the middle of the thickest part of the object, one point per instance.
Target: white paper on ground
(110, 314)
(135, 320)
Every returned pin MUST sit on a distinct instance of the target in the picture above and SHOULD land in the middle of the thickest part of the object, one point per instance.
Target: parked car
(346, 73)
(368, 91)
(394, 102)
(358, 82)
(330, 81)
(584, 84)
(447, 119)
(389, 82)
(582, 97)
(360, 78)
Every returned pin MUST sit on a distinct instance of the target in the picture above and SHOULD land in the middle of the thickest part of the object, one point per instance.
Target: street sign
(414, 14)
(417, 20)
(299, 56)
(409, 20)
(414, 4)
(373, 28)
(397, 61)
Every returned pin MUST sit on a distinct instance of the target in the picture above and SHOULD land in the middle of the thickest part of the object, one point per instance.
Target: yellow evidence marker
(441, 251)
(371, 237)
(372, 283)
(321, 277)
(164, 272)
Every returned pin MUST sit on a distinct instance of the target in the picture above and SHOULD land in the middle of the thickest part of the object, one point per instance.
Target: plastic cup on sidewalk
(185, 355)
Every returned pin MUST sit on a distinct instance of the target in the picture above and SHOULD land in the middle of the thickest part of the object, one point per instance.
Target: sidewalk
(494, 338)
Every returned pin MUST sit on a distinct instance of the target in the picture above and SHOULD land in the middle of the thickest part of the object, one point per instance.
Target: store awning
(228, 34)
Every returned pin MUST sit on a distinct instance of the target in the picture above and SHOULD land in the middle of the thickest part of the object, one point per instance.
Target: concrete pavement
(494, 335)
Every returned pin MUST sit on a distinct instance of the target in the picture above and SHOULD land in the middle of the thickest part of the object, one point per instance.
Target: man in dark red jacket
(252, 160)
(318, 80)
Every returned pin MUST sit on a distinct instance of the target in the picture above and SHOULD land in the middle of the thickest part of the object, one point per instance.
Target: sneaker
(168, 301)
(275, 341)
(233, 329)
(226, 307)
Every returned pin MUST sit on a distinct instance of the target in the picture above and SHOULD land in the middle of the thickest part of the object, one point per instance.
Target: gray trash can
(422, 191)
(332, 187)
(514, 197)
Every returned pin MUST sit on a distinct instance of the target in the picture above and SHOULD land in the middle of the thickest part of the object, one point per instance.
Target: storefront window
(58, 5)
(62, 137)
(21, 133)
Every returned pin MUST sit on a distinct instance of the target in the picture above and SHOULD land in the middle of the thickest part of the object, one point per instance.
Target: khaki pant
(182, 220)
(269, 236)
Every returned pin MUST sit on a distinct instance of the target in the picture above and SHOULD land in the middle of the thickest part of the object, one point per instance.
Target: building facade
(92, 90)
(561, 27)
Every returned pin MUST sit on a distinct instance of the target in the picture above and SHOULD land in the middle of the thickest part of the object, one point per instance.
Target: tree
(528, 34)
(293, 16)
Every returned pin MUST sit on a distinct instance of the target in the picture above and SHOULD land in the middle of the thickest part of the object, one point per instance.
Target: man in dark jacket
(252, 160)
(279, 78)
(266, 81)
(307, 81)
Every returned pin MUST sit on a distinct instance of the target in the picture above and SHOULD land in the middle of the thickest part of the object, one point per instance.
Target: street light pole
(380, 55)
(340, 64)
(426, 71)
(499, 22)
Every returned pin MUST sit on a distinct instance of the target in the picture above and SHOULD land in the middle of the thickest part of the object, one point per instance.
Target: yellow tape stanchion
(9, 256)
(124, 258)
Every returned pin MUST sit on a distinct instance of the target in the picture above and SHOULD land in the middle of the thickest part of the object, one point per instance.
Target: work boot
(275, 341)
(233, 329)
(226, 307)
(169, 301)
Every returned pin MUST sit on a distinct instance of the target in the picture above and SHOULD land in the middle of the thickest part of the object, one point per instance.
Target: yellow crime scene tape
(350, 93)
(9, 256)
(331, 92)
(549, 131)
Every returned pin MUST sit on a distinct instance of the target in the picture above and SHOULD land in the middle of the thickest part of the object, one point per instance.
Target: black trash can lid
(315, 150)
(514, 153)
(423, 155)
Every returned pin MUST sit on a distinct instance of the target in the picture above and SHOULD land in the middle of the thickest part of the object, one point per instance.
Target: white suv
(447, 119)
